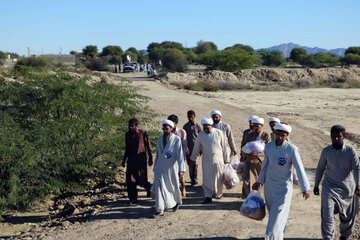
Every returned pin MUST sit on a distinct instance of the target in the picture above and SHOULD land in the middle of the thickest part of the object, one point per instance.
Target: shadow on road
(145, 208)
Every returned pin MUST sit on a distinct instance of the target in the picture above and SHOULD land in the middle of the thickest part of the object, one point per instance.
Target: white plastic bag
(238, 166)
(235, 162)
(230, 178)
(254, 206)
(254, 147)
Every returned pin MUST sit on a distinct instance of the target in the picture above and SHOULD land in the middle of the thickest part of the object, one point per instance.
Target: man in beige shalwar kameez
(252, 163)
(212, 144)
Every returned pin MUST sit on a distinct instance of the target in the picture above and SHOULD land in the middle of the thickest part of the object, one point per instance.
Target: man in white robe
(340, 186)
(212, 144)
(169, 167)
(225, 127)
(277, 177)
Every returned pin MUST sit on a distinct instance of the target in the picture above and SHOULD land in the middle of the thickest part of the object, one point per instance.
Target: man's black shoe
(207, 200)
(176, 207)
(194, 182)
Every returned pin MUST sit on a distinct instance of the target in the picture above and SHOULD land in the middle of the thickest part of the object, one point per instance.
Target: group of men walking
(272, 172)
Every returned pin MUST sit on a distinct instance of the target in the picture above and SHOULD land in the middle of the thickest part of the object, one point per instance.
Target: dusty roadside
(311, 112)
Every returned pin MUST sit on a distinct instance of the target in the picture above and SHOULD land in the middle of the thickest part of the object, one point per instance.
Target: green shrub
(35, 62)
(228, 60)
(271, 58)
(352, 58)
(174, 60)
(97, 64)
(57, 132)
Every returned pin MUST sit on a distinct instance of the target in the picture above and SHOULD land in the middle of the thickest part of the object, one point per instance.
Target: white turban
(251, 117)
(207, 121)
(273, 119)
(283, 127)
(168, 122)
(258, 120)
(213, 112)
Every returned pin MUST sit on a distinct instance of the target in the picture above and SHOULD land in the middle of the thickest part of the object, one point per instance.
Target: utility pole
(28, 51)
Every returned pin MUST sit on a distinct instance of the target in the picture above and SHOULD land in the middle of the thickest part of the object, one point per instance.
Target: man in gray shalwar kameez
(169, 167)
(277, 176)
(340, 185)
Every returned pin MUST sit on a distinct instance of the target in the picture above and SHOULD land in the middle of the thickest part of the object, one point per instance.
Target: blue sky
(52, 26)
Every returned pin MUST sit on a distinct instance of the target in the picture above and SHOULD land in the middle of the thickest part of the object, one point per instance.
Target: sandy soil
(311, 112)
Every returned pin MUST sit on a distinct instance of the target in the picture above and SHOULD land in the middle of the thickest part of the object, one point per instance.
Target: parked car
(129, 67)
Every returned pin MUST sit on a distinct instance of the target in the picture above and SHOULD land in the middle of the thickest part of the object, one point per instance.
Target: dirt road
(311, 112)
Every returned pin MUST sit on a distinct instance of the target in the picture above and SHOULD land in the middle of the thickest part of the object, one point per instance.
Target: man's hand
(242, 159)
(357, 190)
(235, 153)
(306, 194)
(123, 164)
(150, 161)
(256, 186)
(296, 182)
(187, 152)
(316, 191)
(181, 175)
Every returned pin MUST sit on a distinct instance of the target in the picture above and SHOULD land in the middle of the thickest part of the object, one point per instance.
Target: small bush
(201, 86)
(97, 64)
(36, 63)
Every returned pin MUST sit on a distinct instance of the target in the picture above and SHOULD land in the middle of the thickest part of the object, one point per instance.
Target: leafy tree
(297, 53)
(205, 47)
(239, 46)
(351, 58)
(111, 50)
(272, 58)
(174, 60)
(132, 49)
(191, 56)
(57, 132)
(90, 51)
(228, 60)
(133, 56)
(142, 57)
(354, 50)
(116, 60)
(72, 52)
(170, 44)
(319, 59)
(153, 45)
(156, 54)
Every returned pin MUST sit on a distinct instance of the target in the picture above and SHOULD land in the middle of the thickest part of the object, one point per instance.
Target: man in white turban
(276, 176)
(211, 142)
(252, 162)
(340, 187)
(272, 122)
(218, 124)
(169, 167)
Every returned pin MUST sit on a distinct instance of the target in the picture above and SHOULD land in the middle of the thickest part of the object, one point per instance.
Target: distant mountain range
(287, 47)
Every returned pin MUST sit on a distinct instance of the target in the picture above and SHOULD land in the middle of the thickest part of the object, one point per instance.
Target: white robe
(166, 172)
(277, 176)
(214, 155)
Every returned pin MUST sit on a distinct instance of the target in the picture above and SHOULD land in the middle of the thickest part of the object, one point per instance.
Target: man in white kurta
(212, 144)
(216, 116)
(277, 177)
(169, 166)
(340, 186)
